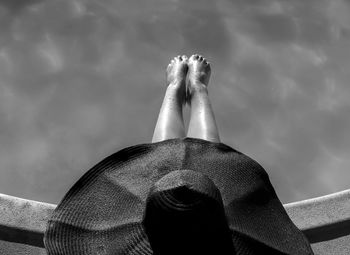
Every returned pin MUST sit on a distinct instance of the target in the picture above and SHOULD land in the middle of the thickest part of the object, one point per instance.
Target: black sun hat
(184, 211)
(179, 196)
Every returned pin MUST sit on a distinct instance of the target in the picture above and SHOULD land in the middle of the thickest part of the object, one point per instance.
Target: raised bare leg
(202, 122)
(170, 122)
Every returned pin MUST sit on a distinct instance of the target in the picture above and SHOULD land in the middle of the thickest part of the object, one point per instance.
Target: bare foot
(176, 74)
(176, 71)
(198, 75)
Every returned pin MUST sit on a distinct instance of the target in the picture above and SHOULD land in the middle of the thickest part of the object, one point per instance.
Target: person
(180, 194)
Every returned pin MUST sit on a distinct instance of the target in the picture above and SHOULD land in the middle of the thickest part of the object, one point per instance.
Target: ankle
(177, 84)
(197, 90)
(176, 90)
(198, 87)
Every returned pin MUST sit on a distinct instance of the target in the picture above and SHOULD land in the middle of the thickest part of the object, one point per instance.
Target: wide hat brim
(103, 212)
(85, 231)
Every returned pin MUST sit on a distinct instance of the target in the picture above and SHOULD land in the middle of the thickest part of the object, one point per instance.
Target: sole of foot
(176, 74)
(176, 71)
(199, 71)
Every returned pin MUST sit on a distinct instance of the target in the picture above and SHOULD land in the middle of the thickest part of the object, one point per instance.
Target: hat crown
(184, 211)
(185, 188)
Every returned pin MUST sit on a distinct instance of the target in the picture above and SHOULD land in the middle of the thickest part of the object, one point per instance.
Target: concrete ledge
(23, 221)
(321, 219)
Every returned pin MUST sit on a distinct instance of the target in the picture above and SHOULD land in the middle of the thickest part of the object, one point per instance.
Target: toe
(200, 58)
(195, 56)
(184, 57)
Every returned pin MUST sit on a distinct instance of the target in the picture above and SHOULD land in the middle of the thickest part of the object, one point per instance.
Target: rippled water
(80, 79)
